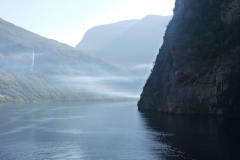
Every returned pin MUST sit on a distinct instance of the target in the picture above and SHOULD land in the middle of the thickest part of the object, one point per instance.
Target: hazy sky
(68, 20)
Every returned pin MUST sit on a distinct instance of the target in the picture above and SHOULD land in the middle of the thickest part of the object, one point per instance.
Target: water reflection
(197, 137)
(85, 131)
(116, 131)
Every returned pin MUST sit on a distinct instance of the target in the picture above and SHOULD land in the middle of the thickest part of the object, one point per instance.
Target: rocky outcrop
(230, 11)
(197, 69)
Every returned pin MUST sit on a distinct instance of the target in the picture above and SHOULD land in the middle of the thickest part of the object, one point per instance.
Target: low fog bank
(127, 85)
(48, 75)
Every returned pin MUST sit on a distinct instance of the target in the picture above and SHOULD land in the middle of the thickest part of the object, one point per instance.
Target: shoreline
(187, 114)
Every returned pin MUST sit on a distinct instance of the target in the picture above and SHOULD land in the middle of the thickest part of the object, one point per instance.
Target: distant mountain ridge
(100, 36)
(136, 44)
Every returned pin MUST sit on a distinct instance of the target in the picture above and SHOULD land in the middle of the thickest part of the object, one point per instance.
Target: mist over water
(77, 76)
(128, 85)
(62, 70)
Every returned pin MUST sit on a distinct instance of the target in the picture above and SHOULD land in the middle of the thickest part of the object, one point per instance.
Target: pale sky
(67, 20)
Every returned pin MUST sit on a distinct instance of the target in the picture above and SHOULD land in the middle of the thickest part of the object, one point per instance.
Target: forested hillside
(34, 68)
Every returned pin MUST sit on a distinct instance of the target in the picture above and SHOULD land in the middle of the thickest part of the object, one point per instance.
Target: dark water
(112, 131)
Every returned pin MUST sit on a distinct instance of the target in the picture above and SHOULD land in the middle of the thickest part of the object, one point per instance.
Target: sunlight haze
(67, 21)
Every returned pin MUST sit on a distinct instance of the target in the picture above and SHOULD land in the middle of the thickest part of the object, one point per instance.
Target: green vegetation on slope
(54, 62)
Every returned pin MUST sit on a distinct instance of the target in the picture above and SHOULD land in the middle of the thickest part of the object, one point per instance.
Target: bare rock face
(197, 69)
(230, 11)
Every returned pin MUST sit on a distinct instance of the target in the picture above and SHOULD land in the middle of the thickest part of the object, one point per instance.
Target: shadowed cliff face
(197, 69)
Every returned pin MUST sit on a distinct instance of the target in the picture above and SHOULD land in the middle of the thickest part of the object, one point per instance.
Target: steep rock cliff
(197, 69)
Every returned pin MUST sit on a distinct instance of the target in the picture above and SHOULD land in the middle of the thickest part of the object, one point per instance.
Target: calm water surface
(114, 131)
